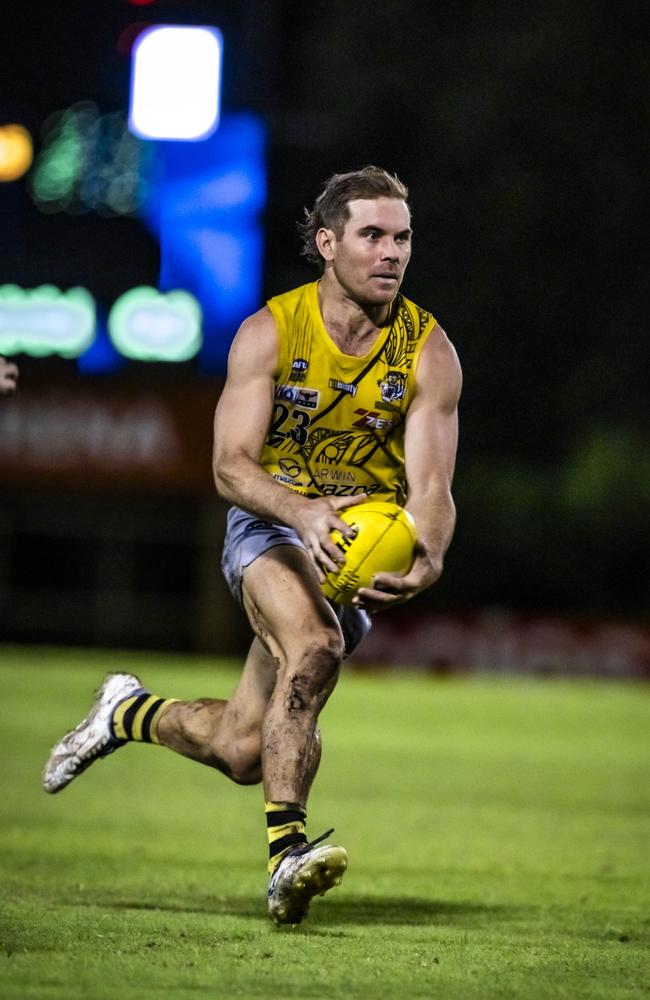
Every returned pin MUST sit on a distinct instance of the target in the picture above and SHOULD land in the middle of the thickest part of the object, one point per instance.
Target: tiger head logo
(392, 387)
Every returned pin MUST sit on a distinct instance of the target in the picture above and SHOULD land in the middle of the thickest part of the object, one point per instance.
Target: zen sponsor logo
(349, 387)
(298, 395)
(370, 418)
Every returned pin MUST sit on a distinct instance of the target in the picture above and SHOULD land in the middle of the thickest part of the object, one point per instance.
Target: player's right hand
(314, 523)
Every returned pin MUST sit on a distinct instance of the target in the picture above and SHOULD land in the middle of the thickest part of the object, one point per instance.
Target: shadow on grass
(402, 910)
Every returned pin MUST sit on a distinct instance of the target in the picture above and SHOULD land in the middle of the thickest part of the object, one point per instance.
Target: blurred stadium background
(521, 132)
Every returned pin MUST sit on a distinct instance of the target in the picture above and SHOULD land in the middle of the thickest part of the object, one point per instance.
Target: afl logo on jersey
(392, 387)
(299, 368)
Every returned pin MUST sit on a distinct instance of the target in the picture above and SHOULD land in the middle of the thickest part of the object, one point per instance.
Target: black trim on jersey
(302, 453)
(362, 374)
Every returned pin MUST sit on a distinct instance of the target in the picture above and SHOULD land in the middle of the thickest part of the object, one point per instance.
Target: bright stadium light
(175, 82)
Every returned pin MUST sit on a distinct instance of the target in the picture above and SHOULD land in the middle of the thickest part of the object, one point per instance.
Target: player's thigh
(286, 606)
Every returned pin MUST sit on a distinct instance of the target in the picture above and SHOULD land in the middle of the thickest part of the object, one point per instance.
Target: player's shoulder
(255, 345)
(294, 307)
(259, 322)
(439, 364)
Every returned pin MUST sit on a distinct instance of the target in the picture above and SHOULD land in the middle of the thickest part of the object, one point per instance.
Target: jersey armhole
(418, 351)
(279, 318)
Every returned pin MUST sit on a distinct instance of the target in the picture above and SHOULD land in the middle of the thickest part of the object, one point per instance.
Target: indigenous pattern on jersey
(338, 420)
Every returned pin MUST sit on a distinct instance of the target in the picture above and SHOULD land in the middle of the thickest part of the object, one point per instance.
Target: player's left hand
(389, 589)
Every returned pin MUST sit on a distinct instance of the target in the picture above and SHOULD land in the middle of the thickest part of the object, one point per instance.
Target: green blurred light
(148, 325)
(90, 161)
(45, 320)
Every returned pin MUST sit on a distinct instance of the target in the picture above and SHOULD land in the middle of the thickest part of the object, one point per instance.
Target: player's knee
(316, 669)
(322, 656)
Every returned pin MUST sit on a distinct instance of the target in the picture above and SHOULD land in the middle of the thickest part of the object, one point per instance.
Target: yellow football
(384, 543)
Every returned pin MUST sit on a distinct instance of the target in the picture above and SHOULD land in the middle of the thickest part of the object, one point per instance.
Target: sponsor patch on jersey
(370, 418)
(335, 490)
(286, 479)
(335, 475)
(298, 395)
(393, 387)
(350, 387)
(289, 467)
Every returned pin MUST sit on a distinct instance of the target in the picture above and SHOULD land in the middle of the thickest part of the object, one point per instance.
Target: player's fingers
(376, 600)
(317, 566)
(320, 560)
(326, 554)
(347, 530)
(334, 552)
(390, 582)
(342, 503)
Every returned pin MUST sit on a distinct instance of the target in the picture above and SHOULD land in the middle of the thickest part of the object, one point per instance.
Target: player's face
(370, 258)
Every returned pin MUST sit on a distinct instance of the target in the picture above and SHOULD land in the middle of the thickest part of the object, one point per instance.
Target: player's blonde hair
(331, 208)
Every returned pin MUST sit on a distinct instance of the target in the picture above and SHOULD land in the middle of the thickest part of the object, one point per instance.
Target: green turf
(498, 834)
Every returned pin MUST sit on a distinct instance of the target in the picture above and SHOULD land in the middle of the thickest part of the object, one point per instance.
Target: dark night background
(521, 131)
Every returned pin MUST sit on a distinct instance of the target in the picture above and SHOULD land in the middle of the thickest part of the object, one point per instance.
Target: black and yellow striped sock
(285, 824)
(137, 717)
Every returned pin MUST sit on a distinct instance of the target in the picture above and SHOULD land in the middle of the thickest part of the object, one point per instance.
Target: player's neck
(353, 327)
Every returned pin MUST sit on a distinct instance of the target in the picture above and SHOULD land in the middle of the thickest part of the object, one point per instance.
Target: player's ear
(326, 243)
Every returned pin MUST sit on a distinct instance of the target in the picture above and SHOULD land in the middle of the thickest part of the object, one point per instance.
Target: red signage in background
(96, 435)
(504, 641)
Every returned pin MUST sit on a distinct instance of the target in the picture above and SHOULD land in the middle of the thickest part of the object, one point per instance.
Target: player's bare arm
(431, 441)
(241, 424)
(8, 376)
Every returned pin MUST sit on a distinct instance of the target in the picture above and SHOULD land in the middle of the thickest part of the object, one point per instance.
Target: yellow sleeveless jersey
(338, 420)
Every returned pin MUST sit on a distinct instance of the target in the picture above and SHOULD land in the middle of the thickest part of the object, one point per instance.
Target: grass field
(498, 833)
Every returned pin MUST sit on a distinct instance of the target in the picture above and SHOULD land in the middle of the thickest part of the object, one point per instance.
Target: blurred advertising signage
(143, 324)
(95, 434)
(501, 641)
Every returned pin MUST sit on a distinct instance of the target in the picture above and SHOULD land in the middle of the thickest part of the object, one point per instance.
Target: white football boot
(305, 871)
(93, 737)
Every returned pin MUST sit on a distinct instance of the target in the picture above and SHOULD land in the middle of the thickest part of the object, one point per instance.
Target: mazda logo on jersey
(289, 467)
